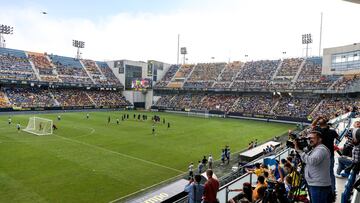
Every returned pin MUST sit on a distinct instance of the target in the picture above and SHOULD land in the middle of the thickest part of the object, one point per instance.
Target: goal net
(204, 114)
(39, 126)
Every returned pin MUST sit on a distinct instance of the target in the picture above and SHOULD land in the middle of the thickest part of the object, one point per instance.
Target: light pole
(183, 51)
(5, 30)
(78, 44)
(306, 39)
(246, 56)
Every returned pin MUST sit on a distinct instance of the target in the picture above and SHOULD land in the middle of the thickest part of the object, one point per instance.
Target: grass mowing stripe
(151, 186)
(118, 153)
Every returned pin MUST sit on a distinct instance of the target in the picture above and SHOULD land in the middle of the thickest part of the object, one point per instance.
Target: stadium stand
(228, 75)
(198, 84)
(166, 101)
(295, 107)
(168, 76)
(14, 65)
(39, 97)
(72, 97)
(94, 72)
(110, 76)
(4, 102)
(44, 67)
(334, 106)
(184, 71)
(345, 82)
(298, 107)
(254, 104)
(108, 98)
(18, 65)
(219, 102)
(29, 97)
(289, 67)
(264, 77)
(206, 71)
(258, 70)
(204, 75)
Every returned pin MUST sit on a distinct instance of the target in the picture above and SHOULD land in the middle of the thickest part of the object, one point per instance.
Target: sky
(212, 30)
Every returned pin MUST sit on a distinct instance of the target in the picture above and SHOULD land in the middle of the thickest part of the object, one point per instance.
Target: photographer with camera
(329, 135)
(317, 164)
(195, 190)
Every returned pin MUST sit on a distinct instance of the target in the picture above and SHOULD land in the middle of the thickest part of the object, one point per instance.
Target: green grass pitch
(92, 161)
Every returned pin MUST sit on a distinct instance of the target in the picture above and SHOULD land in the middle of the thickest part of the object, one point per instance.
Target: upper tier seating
(14, 65)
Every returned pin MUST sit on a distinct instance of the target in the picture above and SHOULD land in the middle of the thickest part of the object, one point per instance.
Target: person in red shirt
(211, 188)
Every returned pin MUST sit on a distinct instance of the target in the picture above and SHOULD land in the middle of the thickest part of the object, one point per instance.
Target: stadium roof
(354, 1)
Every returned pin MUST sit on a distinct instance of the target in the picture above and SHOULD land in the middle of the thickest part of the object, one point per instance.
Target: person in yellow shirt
(258, 170)
(295, 175)
(260, 183)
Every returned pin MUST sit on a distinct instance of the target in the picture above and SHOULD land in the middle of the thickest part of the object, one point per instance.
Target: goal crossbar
(39, 126)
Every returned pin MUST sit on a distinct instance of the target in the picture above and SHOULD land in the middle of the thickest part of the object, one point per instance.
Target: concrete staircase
(299, 71)
(33, 67)
(87, 72)
(277, 70)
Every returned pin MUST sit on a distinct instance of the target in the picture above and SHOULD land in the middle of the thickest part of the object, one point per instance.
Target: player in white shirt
(210, 161)
(18, 127)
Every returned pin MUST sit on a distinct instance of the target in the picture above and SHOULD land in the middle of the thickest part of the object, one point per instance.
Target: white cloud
(230, 29)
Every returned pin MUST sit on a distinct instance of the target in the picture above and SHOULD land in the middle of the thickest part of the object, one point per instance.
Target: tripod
(302, 185)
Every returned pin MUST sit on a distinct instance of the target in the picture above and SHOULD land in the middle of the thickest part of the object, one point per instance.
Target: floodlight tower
(306, 39)
(183, 51)
(79, 45)
(5, 30)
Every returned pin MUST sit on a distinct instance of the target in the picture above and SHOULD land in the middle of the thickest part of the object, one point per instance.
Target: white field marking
(118, 153)
(92, 132)
(120, 198)
(31, 141)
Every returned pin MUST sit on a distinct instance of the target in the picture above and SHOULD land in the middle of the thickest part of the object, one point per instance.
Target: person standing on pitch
(9, 120)
(117, 121)
(191, 170)
(18, 127)
(87, 116)
(153, 129)
(168, 125)
(210, 161)
(109, 119)
(59, 117)
(200, 167)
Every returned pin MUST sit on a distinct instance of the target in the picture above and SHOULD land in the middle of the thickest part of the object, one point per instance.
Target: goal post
(39, 126)
(204, 114)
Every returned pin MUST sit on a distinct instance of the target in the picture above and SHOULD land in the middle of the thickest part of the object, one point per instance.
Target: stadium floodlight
(183, 51)
(307, 39)
(5, 30)
(79, 45)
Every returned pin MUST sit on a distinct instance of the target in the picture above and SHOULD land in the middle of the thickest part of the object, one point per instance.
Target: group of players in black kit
(155, 119)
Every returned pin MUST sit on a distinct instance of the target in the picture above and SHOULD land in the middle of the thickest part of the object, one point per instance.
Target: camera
(301, 141)
(271, 185)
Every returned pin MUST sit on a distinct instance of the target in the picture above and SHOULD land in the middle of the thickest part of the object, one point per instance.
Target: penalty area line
(151, 186)
(118, 153)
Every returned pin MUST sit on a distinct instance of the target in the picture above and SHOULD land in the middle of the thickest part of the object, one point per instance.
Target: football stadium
(276, 119)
